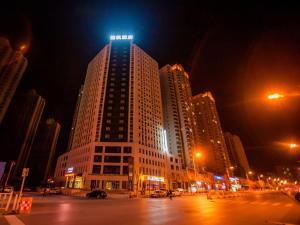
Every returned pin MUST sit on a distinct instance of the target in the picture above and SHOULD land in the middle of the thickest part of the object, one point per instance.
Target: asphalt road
(254, 208)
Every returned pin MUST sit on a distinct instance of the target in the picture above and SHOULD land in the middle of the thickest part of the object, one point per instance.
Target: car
(297, 196)
(6, 189)
(96, 194)
(55, 191)
(176, 193)
(158, 194)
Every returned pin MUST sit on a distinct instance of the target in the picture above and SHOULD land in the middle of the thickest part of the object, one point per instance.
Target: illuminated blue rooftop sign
(121, 37)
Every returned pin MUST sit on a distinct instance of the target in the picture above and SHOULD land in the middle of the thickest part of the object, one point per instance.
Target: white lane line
(264, 203)
(276, 204)
(288, 205)
(13, 220)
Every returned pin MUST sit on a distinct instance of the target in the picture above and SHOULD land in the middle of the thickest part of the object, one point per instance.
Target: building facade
(74, 122)
(12, 67)
(178, 112)
(237, 155)
(210, 133)
(19, 128)
(119, 141)
(42, 155)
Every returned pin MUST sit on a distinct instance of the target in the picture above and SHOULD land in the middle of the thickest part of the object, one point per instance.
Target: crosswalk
(260, 203)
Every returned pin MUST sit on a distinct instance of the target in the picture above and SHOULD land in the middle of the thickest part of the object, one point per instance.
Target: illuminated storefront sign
(218, 177)
(154, 178)
(70, 169)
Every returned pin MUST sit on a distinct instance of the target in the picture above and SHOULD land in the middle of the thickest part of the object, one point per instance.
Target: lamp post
(197, 155)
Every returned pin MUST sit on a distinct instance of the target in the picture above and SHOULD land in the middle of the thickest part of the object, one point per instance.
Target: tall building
(43, 151)
(237, 155)
(75, 118)
(12, 67)
(19, 128)
(119, 141)
(178, 112)
(210, 134)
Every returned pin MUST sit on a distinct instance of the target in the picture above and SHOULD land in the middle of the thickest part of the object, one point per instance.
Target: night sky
(239, 52)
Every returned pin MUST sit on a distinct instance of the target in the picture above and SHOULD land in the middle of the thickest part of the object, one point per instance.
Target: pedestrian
(170, 194)
(44, 192)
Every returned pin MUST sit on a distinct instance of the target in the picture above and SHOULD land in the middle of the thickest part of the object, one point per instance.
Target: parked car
(297, 196)
(54, 190)
(158, 194)
(176, 193)
(6, 189)
(96, 194)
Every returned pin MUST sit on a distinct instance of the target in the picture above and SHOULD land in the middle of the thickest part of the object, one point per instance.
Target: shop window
(96, 169)
(114, 159)
(113, 149)
(111, 170)
(98, 158)
(127, 150)
(125, 170)
(98, 149)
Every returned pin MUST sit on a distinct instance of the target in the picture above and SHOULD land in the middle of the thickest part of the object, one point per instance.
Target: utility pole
(12, 163)
(25, 173)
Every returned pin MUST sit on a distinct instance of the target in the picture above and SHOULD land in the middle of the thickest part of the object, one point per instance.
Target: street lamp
(196, 155)
(275, 96)
(293, 145)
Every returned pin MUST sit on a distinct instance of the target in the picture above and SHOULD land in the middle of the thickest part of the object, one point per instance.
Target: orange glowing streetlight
(275, 96)
(198, 154)
(23, 48)
(293, 145)
(250, 172)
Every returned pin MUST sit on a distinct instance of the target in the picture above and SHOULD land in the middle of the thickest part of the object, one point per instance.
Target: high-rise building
(19, 128)
(42, 154)
(12, 67)
(75, 118)
(210, 134)
(178, 112)
(119, 141)
(237, 155)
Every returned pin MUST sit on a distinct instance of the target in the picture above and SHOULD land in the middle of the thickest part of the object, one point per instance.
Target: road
(254, 208)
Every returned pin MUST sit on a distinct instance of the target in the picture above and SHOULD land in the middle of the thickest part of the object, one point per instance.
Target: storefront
(151, 183)
(73, 180)
(235, 184)
(219, 183)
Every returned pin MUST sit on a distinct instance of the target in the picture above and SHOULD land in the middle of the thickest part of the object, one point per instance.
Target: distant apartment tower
(43, 152)
(210, 134)
(75, 118)
(178, 111)
(237, 155)
(19, 128)
(12, 67)
(118, 139)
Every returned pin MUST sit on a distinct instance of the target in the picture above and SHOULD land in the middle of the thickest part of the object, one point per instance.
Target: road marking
(264, 203)
(276, 204)
(279, 223)
(288, 205)
(13, 220)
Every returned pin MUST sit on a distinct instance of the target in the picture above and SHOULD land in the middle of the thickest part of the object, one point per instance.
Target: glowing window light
(121, 37)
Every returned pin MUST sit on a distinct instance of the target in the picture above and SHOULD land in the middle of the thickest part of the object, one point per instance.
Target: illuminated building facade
(12, 67)
(237, 155)
(178, 110)
(119, 141)
(210, 134)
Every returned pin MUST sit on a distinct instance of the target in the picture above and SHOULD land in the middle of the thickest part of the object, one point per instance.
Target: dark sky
(239, 52)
